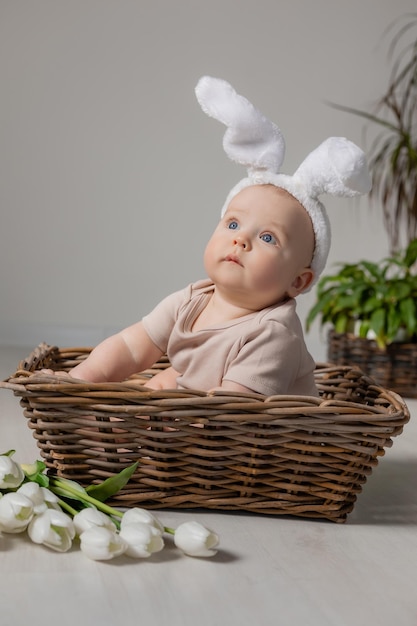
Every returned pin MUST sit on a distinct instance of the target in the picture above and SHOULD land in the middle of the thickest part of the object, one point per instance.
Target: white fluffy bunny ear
(337, 167)
(250, 139)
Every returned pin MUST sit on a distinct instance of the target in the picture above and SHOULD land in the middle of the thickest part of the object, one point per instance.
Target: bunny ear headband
(337, 166)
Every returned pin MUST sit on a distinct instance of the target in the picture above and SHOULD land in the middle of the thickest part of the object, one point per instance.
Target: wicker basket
(292, 455)
(394, 368)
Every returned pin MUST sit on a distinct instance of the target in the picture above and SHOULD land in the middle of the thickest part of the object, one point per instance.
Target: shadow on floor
(389, 496)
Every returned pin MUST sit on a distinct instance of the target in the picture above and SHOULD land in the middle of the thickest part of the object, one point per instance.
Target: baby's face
(262, 248)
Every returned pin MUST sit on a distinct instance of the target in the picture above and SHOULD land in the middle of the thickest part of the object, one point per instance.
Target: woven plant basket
(291, 455)
(394, 368)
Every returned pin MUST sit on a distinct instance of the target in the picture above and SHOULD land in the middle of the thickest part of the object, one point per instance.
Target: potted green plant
(376, 301)
(371, 307)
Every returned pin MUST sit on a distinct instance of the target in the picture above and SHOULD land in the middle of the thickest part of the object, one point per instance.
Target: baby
(238, 329)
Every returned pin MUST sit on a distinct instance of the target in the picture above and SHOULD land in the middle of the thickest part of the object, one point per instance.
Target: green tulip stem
(67, 507)
(84, 497)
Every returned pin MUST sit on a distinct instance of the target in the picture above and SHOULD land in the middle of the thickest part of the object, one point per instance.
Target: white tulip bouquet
(56, 511)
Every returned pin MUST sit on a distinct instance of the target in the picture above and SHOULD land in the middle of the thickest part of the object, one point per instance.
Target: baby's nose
(242, 241)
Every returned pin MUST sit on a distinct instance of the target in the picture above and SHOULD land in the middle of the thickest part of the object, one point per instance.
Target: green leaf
(35, 472)
(408, 314)
(341, 323)
(324, 307)
(410, 256)
(371, 304)
(111, 485)
(349, 302)
(373, 269)
(398, 290)
(363, 329)
(62, 491)
(393, 323)
(8, 453)
(377, 323)
(314, 311)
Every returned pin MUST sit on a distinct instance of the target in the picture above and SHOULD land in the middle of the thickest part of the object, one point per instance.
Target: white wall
(112, 178)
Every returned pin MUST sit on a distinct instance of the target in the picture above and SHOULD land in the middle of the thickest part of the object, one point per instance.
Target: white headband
(337, 166)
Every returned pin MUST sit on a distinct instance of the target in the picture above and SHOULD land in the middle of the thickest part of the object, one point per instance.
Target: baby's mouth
(231, 258)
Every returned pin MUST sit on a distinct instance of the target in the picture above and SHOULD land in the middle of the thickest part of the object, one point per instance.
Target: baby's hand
(166, 379)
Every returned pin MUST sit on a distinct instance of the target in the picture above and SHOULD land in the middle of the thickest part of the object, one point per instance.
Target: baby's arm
(119, 356)
(167, 379)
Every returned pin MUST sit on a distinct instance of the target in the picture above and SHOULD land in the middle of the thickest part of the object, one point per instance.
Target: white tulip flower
(142, 539)
(132, 516)
(90, 518)
(195, 539)
(16, 511)
(54, 529)
(42, 504)
(101, 544)
(11, 474)
(41, 497)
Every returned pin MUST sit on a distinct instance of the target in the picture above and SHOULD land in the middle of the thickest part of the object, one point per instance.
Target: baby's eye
(233, 225)
(268, 238)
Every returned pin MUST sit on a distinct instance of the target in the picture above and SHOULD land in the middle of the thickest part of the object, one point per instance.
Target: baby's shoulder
(279, 320)
(283, 313)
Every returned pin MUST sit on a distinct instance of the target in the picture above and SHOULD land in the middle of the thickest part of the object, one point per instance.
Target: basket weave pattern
(394, 368)
(293, 455)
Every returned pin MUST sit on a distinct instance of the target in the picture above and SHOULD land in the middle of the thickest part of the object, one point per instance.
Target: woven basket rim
(27, 374)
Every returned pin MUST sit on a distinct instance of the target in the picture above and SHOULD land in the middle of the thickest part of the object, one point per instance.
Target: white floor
(269, 571)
